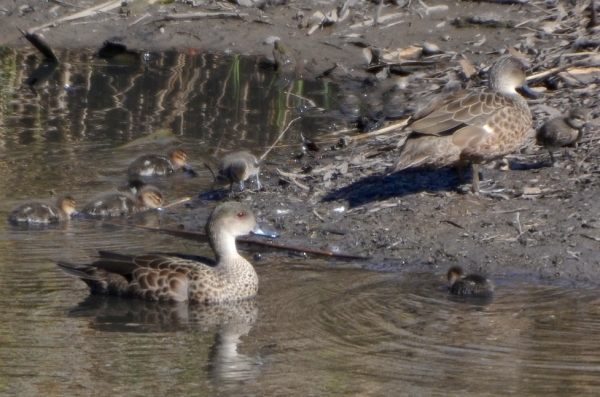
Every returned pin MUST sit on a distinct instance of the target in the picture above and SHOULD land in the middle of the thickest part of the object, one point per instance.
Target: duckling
(37, 212)
(238, 167)
(154, 164)
(121, 203)
(471, 126)
(178, 277)
(562, 131)
(460, 283)
(132, 186)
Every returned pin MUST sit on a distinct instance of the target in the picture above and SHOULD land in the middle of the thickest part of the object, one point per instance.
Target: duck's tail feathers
(85, 272)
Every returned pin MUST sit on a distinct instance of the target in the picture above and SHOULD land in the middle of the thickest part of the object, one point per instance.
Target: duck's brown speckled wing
(474, 127)
(152, 276)
(461, 108)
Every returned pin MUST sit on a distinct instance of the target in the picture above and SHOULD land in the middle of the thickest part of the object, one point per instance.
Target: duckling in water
(471, 126)
(121, 203)
(37, 212)
(132, 186)
(174, 277)
(562, 131)
(154, 164)
(238, 167)
(460, 283)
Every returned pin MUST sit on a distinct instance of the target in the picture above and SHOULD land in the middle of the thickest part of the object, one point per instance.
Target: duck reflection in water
(229, 321)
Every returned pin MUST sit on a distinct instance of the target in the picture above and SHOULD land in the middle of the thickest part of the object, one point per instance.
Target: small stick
(519, 229)
(278, 138)
(318, 216)
(139, 19)
(552, 72)
(452, 223)
(391, 127)
(510, 211)
(178, 201)
(197, 235)
(292, 178)
(201, 15)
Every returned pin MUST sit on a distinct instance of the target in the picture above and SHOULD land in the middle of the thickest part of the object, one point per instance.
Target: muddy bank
(544, 222)
(319, 34)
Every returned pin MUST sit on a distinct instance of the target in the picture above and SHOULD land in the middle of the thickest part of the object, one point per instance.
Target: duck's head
(66, 204)
(232, 218)
(178, 158)
(151, 197)
(577, 118)
(507, 74)
(454, 273)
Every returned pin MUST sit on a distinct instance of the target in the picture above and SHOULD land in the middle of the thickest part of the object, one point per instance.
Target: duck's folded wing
(466, 109)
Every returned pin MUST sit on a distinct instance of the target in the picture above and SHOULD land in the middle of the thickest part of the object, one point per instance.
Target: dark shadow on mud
(382, 187)
(525, 165)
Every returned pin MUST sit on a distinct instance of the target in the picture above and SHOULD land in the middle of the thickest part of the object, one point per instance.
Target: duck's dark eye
(240, 214)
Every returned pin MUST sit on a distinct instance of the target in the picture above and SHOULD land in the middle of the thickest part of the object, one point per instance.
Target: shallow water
(316, 328)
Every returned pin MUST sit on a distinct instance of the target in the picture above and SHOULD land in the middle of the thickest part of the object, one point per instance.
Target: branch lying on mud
(291, 177)
(201, 235)
(104, 7)
(383, 130)
(201, 15)
(541, 76)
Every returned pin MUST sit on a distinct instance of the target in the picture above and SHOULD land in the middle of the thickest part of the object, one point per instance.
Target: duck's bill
(528, 92)
(261, 231)
(189, 171)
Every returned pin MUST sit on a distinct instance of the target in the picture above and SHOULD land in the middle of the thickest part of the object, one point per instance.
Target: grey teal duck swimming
(562, 131)
(238, 167)
(173, 277)
(460, 283)
(121, 203)
(38, 212)
(154, 164)
(471, 126)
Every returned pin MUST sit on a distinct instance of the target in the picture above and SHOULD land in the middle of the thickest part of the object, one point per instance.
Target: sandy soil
(544, 223)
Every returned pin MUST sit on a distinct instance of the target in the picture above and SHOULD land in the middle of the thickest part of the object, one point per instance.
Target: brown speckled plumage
(154, 164)
(121, 203)
(471, 127)
(562, 131)
(460, 283)
(37, 212)
(168, 277)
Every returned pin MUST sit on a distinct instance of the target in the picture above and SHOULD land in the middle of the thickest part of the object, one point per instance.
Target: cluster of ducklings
(135, 195)
(467, 127)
